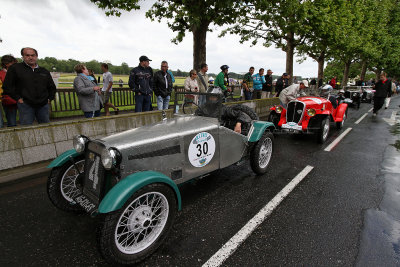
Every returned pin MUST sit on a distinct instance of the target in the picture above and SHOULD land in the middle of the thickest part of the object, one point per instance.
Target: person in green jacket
(220, 79)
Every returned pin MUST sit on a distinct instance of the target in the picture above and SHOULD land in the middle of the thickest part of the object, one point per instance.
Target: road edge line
(360, 119)
(337, 140)
(230, 247)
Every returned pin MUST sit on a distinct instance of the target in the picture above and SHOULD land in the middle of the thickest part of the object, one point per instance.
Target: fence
(67, 100)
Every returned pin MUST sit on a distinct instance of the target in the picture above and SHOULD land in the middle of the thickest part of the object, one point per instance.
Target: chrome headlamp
(279, 109)
(79, 143)
(109, 157)
(311, 112)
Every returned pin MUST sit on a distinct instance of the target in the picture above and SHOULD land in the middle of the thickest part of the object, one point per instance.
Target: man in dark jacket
(267, 86)
(383, 89)
(162, 86)
(281, 84)
(31, 86)
(141, 82)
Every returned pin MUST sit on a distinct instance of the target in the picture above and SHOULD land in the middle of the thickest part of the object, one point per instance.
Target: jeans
(92, 114)
(27, 114)
(162, 102)
(142, 102)
(248, 95)
(11, 115)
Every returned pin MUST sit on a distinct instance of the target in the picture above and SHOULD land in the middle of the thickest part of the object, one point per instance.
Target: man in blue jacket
(141, 82)
(258, 81)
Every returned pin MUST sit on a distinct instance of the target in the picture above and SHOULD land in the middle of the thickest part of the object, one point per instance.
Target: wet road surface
(336, 216)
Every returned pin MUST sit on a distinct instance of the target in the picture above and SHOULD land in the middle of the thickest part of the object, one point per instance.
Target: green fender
(125, 188)
(259, 128)
(64, 157)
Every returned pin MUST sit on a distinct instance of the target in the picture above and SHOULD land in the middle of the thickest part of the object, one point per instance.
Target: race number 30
(201, 149)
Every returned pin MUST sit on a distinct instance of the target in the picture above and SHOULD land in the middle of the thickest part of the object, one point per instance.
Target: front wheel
(261, 154)
(274, 118)
(63, 184)
(135, 231)
(323, 131)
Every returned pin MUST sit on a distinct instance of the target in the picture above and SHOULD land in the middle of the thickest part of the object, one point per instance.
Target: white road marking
(371, 110)
(393, 117)
(229, 248)
(337, 140)
(360, 119)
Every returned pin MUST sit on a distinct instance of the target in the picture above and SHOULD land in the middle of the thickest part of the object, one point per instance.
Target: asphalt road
(330, 218)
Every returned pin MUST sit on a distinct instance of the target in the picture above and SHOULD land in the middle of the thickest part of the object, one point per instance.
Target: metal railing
(66, 99)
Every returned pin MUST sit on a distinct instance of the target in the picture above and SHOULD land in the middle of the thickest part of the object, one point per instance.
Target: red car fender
(283, 118)
(340, 110)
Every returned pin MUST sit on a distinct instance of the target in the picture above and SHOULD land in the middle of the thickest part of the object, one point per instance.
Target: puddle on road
(396, 131)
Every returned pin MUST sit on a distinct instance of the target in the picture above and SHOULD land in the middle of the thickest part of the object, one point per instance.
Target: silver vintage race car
(131, 177)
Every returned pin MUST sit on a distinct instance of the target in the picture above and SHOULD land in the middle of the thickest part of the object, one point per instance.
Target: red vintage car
(310, 115)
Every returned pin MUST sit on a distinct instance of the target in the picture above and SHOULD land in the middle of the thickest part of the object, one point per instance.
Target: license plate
(292, 128)
(85, 203)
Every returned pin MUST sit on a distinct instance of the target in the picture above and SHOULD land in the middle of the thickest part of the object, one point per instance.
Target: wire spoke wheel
(265, 152)
(141, 223)
(133, 232)
(63, 184)
(68, 183)
(261, 155)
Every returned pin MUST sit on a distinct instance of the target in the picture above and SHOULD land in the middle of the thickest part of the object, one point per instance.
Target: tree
(282, 23)
(182, 16)
(323, 19)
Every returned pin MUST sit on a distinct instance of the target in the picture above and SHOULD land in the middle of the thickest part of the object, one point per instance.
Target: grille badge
(299, 111)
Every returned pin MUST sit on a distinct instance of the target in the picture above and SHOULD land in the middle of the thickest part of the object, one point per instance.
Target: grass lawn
(69, 77)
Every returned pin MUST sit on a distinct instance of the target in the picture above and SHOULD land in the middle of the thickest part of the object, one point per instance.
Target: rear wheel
(339, 125)
(135, 231)
(323, 131)
(63, 184)
(261, 154)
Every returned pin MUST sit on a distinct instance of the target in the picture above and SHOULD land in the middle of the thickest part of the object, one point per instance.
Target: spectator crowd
(27, 89)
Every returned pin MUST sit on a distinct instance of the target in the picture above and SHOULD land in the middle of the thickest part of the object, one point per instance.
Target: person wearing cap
(267, 86)
(281, 83)
(290, 93)
(220, 79)
(141, 82)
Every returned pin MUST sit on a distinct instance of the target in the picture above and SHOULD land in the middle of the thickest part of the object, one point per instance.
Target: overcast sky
(78, 29)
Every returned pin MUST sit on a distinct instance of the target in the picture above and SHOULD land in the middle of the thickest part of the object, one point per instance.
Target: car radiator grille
(294, 112)
(94, 176)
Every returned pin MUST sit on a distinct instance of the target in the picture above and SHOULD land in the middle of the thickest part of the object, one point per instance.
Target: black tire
(140, 219)
(263, 148)
(323, 131)
(274, 118)
(339, 125)
(246, 109)
(63, 184)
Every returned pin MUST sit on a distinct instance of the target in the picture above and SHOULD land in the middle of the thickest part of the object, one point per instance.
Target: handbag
(8, 100)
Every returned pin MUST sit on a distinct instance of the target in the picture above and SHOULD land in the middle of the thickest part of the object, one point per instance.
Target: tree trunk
(346, 73)
(199, 45)
(363, 69)
(321, 62)
(378, 74)
(290, 55)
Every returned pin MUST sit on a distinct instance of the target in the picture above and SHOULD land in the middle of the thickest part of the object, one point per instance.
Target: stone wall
(21, 146)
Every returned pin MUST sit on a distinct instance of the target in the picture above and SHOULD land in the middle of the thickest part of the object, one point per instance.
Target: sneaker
(385, 107)
(374, 115)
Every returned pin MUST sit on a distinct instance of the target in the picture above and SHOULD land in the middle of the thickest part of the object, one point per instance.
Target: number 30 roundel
(201, 149)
